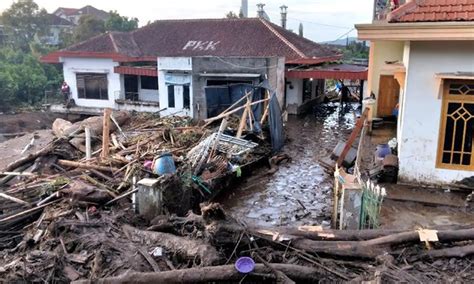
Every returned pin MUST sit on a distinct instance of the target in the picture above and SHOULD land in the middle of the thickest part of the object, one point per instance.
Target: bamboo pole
(85, 166)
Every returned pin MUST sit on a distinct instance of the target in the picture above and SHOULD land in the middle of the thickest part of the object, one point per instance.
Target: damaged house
(421, 68)
(189, 67)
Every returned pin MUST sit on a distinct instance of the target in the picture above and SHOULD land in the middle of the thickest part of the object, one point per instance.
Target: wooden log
(106, 133)
(317, 233)
(30, 157)
(24, 213)
(458, 251)
(191, 249)
(87, 131)
(224, 273)
(243, 120)
(374, 247)
(14, 199)
(73, 164)
(222, 115)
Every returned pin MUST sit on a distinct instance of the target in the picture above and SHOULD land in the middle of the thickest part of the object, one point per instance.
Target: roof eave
(314, 60)
(417, 31)
(54, 57)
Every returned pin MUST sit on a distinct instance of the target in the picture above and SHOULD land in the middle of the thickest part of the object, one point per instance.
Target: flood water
(299, 192)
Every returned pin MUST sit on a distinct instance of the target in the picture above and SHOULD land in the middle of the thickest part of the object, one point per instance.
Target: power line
(345, 34)
(311, 22)
(319, 24)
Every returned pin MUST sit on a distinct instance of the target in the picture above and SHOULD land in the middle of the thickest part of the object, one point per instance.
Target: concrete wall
(71, 66)
(381, 51)
(147, 95)
(294, 96)
(271, 67)
(422, 108)
(179, 66)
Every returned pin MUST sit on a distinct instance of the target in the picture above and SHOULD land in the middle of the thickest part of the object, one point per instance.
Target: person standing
(65, 91)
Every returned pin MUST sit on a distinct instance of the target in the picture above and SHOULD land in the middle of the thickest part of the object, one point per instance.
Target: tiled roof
(54, 20)
(434, 11)
(66, 11)
(251, 37)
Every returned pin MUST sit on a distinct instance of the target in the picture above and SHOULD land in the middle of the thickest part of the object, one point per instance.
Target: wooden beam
(106, 133)
(352, 137)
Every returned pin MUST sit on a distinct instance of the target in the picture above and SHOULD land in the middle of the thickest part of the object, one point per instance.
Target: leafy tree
(115, 22)
(23, 20)
(231, 15)
(300, 29)
(88, 27)
(356, 49)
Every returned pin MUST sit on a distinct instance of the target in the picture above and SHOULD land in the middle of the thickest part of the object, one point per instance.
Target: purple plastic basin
(245, 264)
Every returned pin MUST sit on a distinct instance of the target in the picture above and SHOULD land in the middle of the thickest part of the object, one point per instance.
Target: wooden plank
(243, 120)
(106, 133)
(353, 136)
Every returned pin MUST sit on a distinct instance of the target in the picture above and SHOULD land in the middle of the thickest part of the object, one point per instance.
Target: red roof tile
(433, 11)
(251, 37)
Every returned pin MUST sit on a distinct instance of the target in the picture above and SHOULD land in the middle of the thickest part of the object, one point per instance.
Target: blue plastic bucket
(164, 164)
(383, 150)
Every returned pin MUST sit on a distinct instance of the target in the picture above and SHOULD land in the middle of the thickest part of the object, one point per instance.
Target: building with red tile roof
(247, 37)
(433, 11)
(421, 67)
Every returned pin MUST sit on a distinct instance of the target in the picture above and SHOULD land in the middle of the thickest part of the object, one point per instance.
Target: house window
(171, 96)
(92, 86)
(455, 150)
(149, 82)
(186, 98)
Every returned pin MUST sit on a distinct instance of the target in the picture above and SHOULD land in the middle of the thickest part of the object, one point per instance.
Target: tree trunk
(210, 274)
(459, 251)
(189, 248)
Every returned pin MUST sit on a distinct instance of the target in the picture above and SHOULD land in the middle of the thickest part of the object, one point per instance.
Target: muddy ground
(299, 192)
(27, 122)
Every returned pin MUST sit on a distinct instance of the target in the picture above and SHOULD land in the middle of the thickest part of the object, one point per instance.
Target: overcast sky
(323, 20)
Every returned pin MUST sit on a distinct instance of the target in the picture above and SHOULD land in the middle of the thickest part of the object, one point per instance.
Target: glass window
(149, 82)
(171, 96)
(92, 86)
(457, 126)
(186, 98)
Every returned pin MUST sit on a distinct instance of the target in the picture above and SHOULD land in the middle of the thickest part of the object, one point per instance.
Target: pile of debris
(69, 202)
(85, 245)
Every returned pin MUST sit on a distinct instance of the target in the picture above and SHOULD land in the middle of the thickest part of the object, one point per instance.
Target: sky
(323, 20)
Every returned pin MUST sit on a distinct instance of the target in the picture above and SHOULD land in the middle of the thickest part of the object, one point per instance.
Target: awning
(137, 70)
(331, 71)
(230, 75)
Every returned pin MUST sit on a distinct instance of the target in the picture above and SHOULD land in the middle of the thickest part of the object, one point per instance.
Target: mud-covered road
(299, 192)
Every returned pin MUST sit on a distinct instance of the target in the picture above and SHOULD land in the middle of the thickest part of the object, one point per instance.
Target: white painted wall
(178, 66)
(71, 66)
(294, 97)
(381, 51)
(147, 95)
(422, 108)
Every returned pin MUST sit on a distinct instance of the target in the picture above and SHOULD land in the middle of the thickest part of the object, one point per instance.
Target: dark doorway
(131, 87)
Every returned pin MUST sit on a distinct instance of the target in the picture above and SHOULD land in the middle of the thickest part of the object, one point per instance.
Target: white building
(422, 61)
(185, 67)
